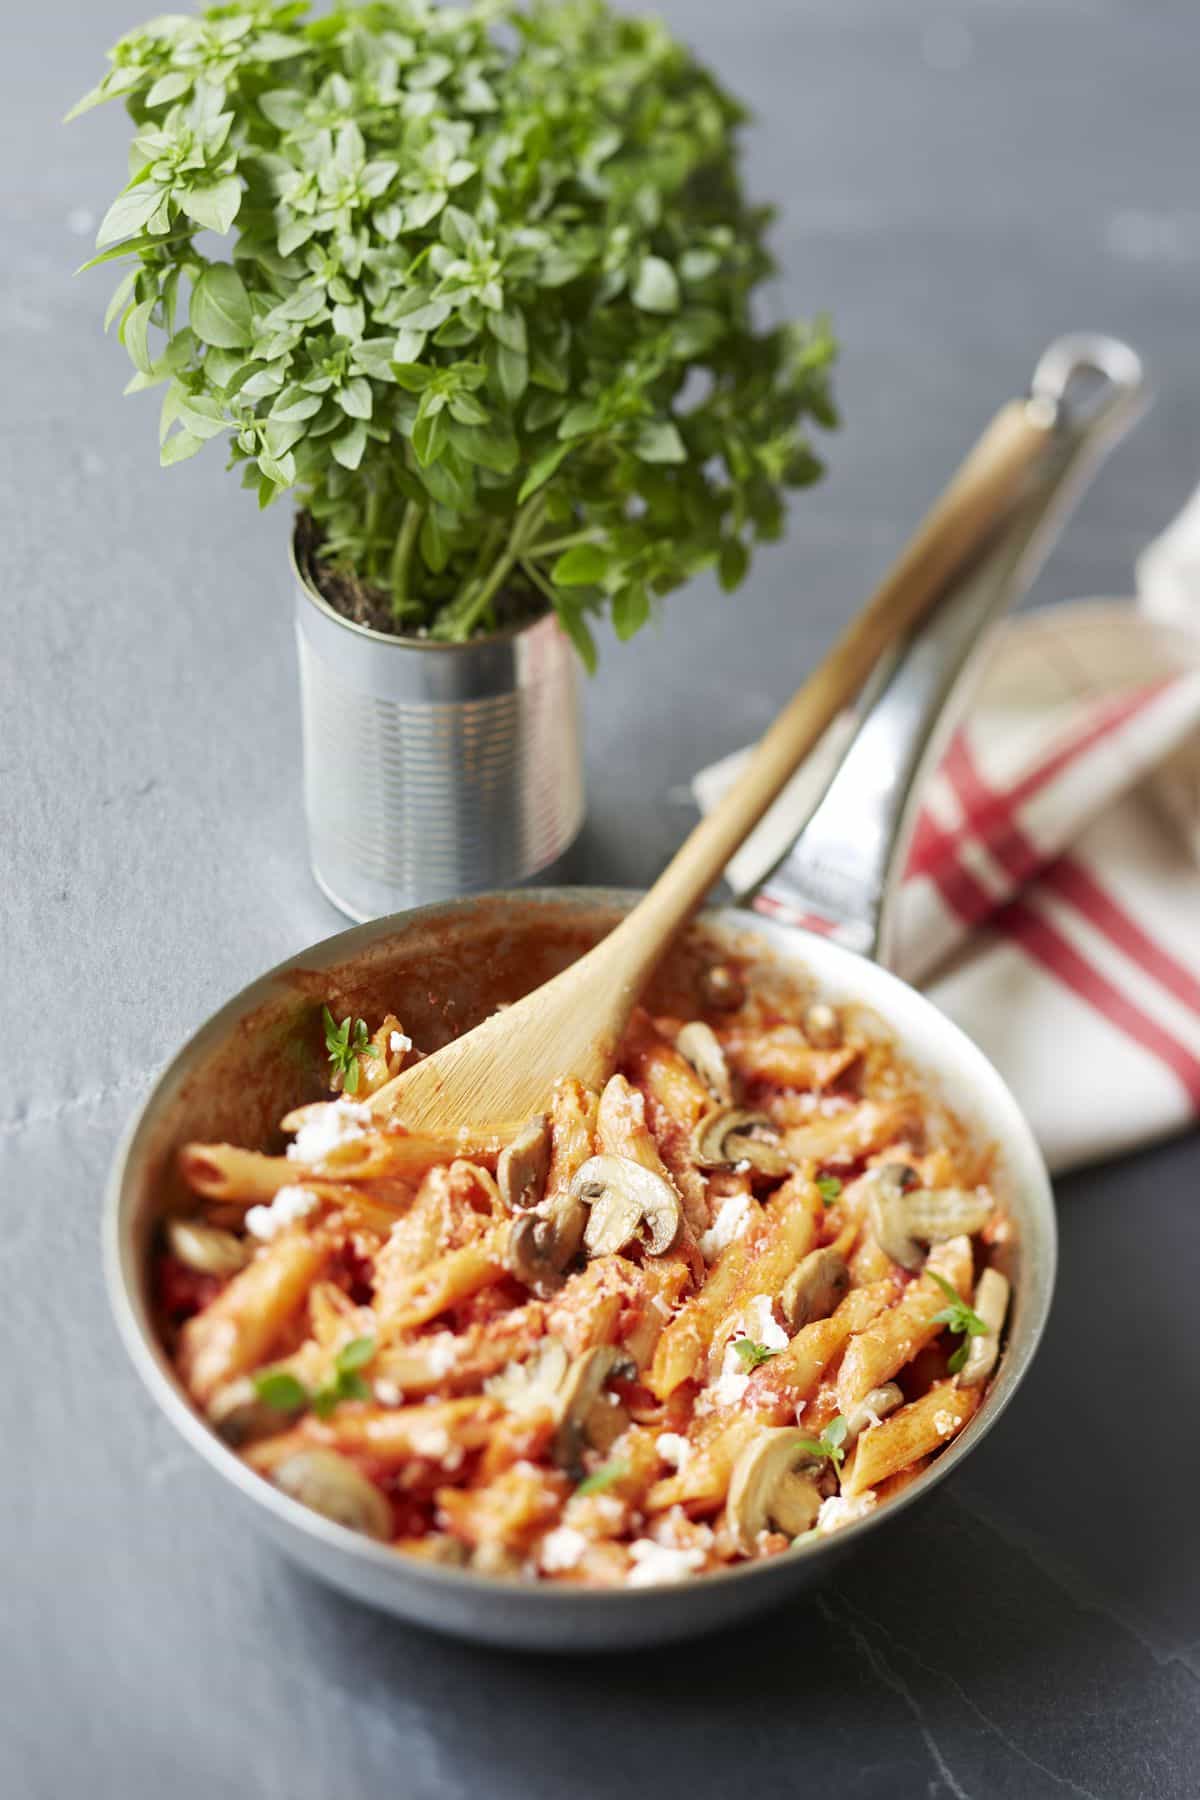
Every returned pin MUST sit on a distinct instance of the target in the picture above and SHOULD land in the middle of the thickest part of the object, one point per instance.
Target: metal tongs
(844, 866)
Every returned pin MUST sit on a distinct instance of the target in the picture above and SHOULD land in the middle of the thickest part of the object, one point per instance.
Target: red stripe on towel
(1076, 884)
(992, 809)
(1043, 941)
(1071, 881)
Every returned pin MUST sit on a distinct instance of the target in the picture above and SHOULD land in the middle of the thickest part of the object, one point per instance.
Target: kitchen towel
(1051, 898)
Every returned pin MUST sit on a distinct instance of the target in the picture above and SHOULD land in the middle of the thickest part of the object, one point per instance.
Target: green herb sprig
(602, 1478)
(753, 1355)
(346, 1044)
(285, 1392)
(484, 303)
(957, 1317)
(829, 1188)
(831, 1442)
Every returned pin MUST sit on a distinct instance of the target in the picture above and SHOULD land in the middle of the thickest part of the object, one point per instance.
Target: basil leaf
(354, 1355)
(657, 286)
(219, 309)
(129, 213)
(214, 205)
(580, 566)
(281, 1390)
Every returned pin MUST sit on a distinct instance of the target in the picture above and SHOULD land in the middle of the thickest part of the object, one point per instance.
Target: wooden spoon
(503, 1070)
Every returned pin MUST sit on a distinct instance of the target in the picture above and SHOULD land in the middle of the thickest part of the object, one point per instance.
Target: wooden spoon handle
(985, 485)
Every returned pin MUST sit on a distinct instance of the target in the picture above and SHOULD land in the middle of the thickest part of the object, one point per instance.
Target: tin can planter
(432, 770)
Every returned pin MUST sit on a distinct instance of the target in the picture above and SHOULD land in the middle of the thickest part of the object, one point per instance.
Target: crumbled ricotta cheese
(338, 1122)
(944, 1423)
(673, 1448)
(389, 1393)
(289, 1204)
(654, 1563)
(605, 1509)
(733, 1380)
(841, 1510)
(759, 1323)
(562, 1548)
(676, 1530)
(733, 1216)
(442, 1352)
(399, 1044)
(433, 1443)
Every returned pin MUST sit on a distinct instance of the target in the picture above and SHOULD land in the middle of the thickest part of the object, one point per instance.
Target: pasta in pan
(712, 1314)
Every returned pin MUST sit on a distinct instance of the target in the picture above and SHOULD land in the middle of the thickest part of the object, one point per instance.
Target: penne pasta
(663, 1076)
(573, 1110)
(223, 1172)
(500, 1386)
(846, 1135)
(621, 1130)
(701, 1486)
(914, 1432)
(247, 1319)
(783, 1055)
(757, 1264)
(443, 1282)
(875, 1354)
(508, 1512)
(794, 1374)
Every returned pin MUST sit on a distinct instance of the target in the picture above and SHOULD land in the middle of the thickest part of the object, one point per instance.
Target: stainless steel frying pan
(444, 967)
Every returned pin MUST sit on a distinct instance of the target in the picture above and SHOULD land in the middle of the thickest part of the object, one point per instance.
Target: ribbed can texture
(433, 770)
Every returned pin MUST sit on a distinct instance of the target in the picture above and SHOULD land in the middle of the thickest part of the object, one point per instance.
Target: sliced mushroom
(238, 1415)
(772, 1486)
(626, 1200)
(699, 1045)
(904, 1217)
(533, 1385)
(814, 1288)
(729, 1136)
(539, 1248)
(203, 1248)
(495, 1559)
(871, 1408)
(721, 986)
(334, 1487)
(438, 1547)
(822, 1027)
(589, 1420)
(524, 1164)
(991, 1303)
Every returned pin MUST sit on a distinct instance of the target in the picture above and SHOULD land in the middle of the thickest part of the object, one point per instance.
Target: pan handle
(843, 868)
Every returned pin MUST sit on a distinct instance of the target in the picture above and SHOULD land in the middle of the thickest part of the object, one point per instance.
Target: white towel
(1051, 901)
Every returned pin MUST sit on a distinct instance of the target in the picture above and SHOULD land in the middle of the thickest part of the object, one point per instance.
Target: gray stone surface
(959, 182)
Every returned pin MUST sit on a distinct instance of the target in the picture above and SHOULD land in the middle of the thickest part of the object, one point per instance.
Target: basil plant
(476, 283)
